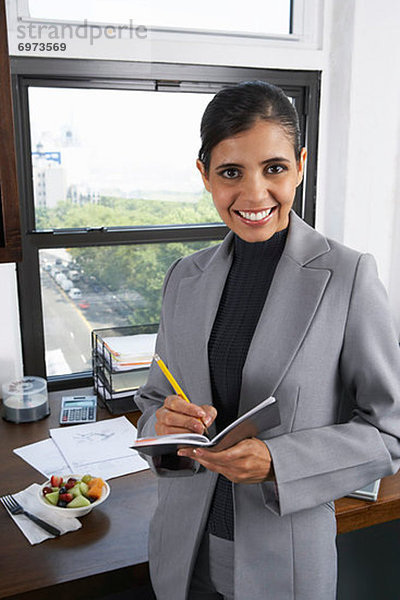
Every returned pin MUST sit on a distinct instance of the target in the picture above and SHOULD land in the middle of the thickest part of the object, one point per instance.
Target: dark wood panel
(10, 233)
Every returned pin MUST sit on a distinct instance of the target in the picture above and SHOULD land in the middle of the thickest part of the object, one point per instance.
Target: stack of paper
(121, 365)
(125, 353)
(100, 449)
(121, 383)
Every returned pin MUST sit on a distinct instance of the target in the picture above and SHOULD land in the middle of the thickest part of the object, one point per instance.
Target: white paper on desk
(118, 467)
(101, 447)
(44, 456)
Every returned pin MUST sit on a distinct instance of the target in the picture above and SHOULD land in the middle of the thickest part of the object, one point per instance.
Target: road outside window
(90, 288)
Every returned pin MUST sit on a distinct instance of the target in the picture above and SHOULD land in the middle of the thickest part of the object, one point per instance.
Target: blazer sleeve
(314, 466)
(151, 396)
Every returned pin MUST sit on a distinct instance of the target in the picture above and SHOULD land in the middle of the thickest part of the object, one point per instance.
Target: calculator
(78, 409)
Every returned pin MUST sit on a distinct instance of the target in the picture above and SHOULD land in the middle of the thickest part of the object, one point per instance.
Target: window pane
(268, 16)
(96, 287)
(131, 161)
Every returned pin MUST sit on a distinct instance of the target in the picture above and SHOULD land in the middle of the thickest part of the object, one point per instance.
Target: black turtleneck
(246, 289)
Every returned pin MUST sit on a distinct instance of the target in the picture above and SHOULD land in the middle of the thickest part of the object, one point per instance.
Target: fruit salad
(73, 492)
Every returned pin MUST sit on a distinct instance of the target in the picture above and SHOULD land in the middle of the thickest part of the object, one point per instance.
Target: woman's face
(253, 177)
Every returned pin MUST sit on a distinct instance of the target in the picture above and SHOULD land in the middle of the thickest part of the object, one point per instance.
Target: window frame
(303, 85)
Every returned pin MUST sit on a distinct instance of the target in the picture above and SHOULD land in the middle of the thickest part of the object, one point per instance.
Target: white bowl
(72, 512)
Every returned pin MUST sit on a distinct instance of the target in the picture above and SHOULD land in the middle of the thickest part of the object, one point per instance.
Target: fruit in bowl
(73, 495)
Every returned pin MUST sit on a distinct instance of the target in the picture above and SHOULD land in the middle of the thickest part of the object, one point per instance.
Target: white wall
(358, 183)
(10, 346)
(374, 143)
(359, 142)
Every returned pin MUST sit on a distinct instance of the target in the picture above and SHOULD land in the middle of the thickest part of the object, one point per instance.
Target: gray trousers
(213, 572)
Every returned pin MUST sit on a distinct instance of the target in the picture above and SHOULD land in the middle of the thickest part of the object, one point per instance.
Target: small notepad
(262, 417)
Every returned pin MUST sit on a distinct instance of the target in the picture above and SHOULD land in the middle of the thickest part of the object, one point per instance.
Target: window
(112, 196)
(129, 162)
(85, 287)
(267, 17)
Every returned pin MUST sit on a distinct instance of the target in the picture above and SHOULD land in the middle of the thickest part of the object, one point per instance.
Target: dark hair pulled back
(237, 108)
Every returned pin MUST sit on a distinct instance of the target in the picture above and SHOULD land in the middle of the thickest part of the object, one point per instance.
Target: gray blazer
(326, 348)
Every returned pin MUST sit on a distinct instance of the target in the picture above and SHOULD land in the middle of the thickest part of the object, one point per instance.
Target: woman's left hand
(249, 461)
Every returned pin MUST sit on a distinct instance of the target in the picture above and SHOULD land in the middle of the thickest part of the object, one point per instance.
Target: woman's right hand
(178, 416)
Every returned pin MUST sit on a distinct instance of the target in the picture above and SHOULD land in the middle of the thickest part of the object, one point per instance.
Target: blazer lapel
(292, 302)
(196, 307)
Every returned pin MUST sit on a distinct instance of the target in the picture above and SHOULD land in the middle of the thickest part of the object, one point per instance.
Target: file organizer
(116, 385)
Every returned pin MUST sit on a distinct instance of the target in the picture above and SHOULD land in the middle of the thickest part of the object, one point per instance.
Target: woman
(276, 309)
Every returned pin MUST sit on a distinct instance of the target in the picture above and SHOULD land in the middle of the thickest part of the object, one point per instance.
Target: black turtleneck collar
(244, 250)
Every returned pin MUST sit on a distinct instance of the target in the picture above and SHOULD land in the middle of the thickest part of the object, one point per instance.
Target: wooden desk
(352, 514)
(109, 552)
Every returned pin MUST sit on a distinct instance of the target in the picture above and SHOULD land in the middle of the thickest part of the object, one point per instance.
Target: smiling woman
(277, 310)
(251, 158)
(253, 177)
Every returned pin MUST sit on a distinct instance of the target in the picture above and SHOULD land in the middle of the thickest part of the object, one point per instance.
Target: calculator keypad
(78, 415)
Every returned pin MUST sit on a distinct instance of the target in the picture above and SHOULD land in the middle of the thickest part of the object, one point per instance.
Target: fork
(16, 509)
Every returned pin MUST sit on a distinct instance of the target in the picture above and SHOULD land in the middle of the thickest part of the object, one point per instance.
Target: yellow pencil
(177, 388)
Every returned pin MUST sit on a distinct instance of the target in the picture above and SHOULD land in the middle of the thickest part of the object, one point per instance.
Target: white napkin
(28, 498)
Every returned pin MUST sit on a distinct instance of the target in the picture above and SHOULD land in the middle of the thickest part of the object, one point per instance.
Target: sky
(121, 139)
